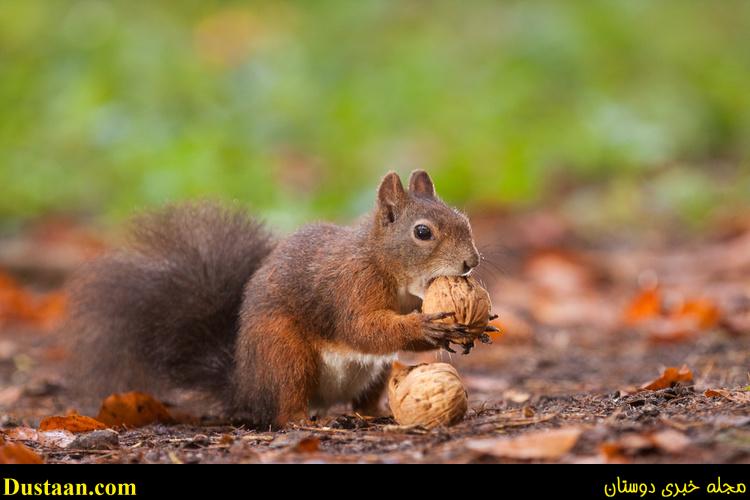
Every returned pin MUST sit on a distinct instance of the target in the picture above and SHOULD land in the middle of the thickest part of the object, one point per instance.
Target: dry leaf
(559, 272)
(736, 396)
(9, 396)
(16, 453)
(683, 321)
(132, 409)
(21, 434)
(516, 396)
(670, 441)
(669, 377)
(704, 312)
(17, 305)
(307, 445)
(538, 445)
(73, 423)
(53, 438)
(645, 306)
(59, 438)
(512, 325)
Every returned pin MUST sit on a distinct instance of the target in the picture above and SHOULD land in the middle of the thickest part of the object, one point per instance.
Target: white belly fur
(344, 375)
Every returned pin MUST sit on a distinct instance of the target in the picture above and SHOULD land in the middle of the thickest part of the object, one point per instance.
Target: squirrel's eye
(422, 232)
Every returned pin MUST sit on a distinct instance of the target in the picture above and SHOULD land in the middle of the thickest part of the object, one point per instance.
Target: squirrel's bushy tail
(163, 312)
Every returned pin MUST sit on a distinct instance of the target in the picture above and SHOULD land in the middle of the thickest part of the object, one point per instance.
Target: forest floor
(613, 350)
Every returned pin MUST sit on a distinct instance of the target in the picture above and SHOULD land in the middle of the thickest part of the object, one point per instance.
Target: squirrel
(206, 299)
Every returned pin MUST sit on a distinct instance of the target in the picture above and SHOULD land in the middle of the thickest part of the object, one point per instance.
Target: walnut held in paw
(429, 395)
(464, 297)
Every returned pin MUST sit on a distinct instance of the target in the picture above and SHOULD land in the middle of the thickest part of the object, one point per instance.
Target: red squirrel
(204, 298)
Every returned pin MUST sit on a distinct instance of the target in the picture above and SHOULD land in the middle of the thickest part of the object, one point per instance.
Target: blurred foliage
(297, 108)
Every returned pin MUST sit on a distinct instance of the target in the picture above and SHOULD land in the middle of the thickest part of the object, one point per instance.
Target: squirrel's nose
(471, 263)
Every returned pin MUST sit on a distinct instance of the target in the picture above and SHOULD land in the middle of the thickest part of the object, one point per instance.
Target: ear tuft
(391, 197)
(420, 184)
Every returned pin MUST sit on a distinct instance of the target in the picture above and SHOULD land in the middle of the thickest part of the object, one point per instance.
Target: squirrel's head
(420, 236)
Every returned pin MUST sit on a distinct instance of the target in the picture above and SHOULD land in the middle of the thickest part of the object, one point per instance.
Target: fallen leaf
(516, 396)
(73, 423)
(559, 272)
(58, 438)
(307, 445)
(132, 409)
(16, 453)
(681, 321)
(704, 312)
(630, 443)
(49, 311)
(669, 377)
(573, 310)
(669, 441)
(670, 329)
(512, 325)
(538, 445)
(19, 306)
(646, 305)
(21, 434)
(736, 396)
(9, 396)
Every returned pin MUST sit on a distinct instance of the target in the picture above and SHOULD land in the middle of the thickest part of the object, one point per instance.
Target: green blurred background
(298, 108)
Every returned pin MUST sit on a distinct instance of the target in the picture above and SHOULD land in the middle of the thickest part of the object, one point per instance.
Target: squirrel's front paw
(443, 334)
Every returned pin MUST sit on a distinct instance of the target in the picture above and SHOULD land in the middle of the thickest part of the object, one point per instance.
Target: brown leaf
(680, 322)
(539, 445)
(21, 434)
(645, 306)
(19, 306)
(58, 438)
(307, 445)
(132, 409)
(73, 423)
(10, 395)
(512, 325)
(16, 453)
(704, 312)
(736, 396)
(669, 441)
(49, 310)
(614, 451)
(559, 272)
(669, 377)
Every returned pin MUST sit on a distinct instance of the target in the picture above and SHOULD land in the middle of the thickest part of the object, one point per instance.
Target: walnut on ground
(429, 395)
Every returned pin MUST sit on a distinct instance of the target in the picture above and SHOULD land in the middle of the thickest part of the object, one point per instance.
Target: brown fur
(324, 289)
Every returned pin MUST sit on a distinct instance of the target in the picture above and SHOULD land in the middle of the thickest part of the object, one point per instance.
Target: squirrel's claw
(447, 347)
(445, 334)
(468, 347)
(490, 328)
(439, 316)
(493, 316)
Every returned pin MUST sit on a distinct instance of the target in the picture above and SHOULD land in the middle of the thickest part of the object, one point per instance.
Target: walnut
(463, 296)
(429, 395)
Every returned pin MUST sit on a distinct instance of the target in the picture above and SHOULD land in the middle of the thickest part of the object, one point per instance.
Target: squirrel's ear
(391, 197)
(420, 184)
